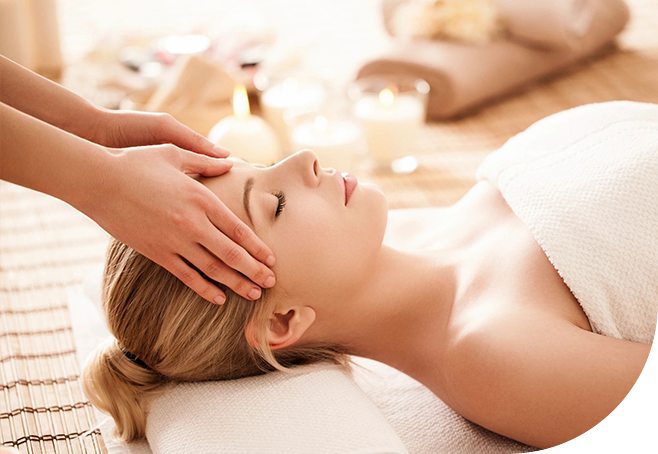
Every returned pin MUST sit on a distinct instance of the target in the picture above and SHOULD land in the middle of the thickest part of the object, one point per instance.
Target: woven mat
(45, 245)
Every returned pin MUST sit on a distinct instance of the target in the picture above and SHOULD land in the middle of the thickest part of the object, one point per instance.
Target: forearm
(42, 157)
(41, 98)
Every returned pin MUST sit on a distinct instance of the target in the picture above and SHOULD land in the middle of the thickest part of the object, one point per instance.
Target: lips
(350, 182)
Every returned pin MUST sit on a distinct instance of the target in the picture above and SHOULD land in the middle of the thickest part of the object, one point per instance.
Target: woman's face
(324, 248)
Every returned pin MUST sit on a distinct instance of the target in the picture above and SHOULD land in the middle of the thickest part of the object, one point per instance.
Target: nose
(308, 166)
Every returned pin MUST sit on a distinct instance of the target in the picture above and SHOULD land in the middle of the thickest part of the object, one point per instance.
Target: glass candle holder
(335, 138)
(391, 111)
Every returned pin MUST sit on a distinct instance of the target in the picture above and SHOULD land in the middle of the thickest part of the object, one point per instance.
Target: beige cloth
(551, 24)
(463, 76)
(197, 92)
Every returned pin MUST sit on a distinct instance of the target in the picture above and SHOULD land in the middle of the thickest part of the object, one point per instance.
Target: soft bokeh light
(386, 97)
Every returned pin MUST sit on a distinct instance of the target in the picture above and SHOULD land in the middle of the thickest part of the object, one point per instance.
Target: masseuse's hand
(56, 142)
(193, 223)
(125, 128)
(147, 201)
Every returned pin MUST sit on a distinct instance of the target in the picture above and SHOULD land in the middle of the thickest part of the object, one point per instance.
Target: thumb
(204, 165)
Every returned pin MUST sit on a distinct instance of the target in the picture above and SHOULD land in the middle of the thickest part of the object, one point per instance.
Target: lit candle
(290, 94)
(244, 135)
(335, 142)
(391, 123)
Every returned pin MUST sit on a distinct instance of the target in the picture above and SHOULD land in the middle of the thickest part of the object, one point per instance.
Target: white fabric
(321, 410)
(424, 422)
(585, 182)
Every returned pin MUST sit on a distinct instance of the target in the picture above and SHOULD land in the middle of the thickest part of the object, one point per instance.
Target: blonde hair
(180, 336)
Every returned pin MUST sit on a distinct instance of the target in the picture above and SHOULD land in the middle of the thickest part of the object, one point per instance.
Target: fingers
(173, 131)
(237, 258)
(215, 269)
(231, 225)
(204, 165)
(196, 282)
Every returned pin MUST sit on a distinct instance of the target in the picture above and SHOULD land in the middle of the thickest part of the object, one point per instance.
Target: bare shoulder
(538, 379)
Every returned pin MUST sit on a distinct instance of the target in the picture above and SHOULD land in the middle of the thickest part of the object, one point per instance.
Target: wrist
(93, 183)
(94, 127)
(81, 119)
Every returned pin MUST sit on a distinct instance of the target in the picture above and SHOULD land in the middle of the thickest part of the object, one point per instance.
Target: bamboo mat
(45, 245)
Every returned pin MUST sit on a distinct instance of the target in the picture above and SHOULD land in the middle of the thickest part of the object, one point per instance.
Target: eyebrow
(249, 184)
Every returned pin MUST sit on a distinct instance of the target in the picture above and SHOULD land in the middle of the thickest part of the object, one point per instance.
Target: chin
(375, 195)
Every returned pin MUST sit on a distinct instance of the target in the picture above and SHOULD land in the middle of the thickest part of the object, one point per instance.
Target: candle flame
(240, 101)
(387, 96)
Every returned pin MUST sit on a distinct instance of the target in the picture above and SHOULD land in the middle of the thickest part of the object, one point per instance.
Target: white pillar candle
(291, 93)
(391, 124)
(247, 136)
(335, 142)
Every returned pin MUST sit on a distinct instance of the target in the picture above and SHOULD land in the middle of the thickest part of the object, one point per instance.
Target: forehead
(237, 174)
(238, 163)
(242, 164)
(227, 186)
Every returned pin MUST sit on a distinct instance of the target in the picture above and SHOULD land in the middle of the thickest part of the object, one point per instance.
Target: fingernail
(254, 293)
(270, 260)
(219, 299)
(269, 282)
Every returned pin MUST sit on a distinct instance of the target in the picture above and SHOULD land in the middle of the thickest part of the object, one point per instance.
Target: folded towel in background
(463, 76)
(553, 24)
(549, 24)
(585, 182)
(197, 91)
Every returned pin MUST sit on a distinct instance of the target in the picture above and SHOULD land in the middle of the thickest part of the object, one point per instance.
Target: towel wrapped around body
(585, 182)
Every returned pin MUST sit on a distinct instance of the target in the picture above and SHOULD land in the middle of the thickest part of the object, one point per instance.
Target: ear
(286, 328)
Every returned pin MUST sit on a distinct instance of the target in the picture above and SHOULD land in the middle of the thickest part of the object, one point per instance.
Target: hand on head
(138, 189)
(150, 203)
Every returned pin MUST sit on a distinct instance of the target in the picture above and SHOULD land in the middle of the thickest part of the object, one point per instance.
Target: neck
(401, 315)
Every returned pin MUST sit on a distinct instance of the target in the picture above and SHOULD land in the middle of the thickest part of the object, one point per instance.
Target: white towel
(319, 411)
(585, 182)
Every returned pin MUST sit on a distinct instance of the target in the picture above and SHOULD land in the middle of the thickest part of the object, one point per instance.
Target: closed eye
(281, 203)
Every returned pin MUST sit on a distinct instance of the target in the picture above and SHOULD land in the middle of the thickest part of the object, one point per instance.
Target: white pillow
(321, 410)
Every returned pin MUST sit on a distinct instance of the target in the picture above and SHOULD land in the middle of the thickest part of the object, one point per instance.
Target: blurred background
(493, 67)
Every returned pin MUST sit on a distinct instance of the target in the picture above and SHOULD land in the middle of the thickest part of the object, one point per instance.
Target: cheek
(327, 247)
